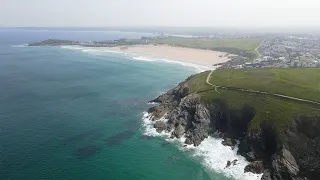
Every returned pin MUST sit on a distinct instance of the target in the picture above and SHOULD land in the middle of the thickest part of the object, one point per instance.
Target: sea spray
(213, 154)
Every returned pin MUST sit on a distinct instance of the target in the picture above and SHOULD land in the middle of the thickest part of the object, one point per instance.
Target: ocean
(77, 113)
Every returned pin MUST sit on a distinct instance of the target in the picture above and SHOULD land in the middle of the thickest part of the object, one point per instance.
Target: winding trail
(256, 92)
(256, 49)
(208, 82)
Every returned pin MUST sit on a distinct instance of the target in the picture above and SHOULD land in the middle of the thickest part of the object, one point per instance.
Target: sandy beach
(189, 55)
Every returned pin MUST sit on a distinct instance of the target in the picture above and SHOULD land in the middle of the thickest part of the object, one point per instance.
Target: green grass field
(301, 83)
(244, 46)
(279, 112)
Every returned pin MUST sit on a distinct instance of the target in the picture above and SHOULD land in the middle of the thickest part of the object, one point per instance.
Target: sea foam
(141, 58)
(20, 45)
(198, 68)
(212, 153)
(72, 47)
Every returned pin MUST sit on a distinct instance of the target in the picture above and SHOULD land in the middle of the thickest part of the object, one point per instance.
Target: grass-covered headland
(279, 112)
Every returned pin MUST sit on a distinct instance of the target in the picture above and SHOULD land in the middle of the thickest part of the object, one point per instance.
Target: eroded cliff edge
(292, 154)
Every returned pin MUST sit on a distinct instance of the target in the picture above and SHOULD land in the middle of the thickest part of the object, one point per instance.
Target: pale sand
(189, 55)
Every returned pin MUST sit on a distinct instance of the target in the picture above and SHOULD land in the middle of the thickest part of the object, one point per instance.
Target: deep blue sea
(76, 114)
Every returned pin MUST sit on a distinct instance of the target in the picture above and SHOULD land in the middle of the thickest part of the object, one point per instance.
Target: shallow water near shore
(73, 114)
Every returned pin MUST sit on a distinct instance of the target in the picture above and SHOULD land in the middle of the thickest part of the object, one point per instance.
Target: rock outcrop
(229, 142)
(160, 126)
(284, 166)
(179, 131)
(297, 157)
(255, 167)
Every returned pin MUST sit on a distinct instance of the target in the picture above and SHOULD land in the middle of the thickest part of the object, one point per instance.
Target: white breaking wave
(72, 47)
(90, 50)
(148, 127)
(214, 155)
(20, 45)
(141, 58)
(197, 67)
(152, 103)
(115, 52)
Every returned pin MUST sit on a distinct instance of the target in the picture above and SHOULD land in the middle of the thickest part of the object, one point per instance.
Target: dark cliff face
(297, 157)
(303, 141)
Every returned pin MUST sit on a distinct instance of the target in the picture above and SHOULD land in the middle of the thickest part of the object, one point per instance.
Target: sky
(191, 13)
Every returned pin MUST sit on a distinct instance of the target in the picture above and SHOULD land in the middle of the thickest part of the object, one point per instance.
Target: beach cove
(199, 57)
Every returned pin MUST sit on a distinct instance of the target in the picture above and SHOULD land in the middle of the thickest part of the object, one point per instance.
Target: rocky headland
(292, 154)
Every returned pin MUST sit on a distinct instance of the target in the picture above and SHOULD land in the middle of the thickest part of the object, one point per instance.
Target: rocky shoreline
(296, 158)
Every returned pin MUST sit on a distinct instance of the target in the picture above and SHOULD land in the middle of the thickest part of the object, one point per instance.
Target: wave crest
(141, 58)
(20, 45)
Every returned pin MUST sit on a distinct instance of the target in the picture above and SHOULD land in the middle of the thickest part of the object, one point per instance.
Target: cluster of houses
(285, 52)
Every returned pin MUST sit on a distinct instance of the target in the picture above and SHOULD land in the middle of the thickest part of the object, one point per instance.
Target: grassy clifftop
(302, 83)
(279, 112)
(244, 46)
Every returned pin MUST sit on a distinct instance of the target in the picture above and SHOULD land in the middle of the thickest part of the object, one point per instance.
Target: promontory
(274, 114)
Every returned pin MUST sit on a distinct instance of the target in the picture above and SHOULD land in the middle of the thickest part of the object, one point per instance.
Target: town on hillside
(282, 51)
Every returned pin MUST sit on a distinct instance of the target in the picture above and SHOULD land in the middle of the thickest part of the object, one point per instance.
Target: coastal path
(256, 92)
(256, 49)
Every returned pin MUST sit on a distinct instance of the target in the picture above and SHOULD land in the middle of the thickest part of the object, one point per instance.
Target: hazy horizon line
(191, 29)
(149, 26)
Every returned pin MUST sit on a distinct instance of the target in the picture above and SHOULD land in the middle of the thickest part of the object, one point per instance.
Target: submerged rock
(86, 152)
(145, 137)
(118, 138)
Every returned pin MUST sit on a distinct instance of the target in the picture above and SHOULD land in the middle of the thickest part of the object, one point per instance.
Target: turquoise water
(69, 114)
